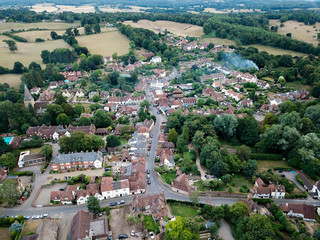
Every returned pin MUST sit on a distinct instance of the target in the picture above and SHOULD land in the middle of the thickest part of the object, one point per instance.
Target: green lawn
(265, 165)
(183, 210)
(238, 180)
(298, 86)
(150, 224)
(168, 177)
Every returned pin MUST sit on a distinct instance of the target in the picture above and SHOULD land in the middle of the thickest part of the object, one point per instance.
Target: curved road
(155, 187)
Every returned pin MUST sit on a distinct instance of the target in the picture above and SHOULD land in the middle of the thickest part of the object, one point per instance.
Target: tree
(198, 140)
(243, 152)
(3, 146)
(270, 119)
(194, 197)
(247, 130)
(219, 168)
(307, 126)
(9, 191)
(145, 104)
(180, 229)
(291, 119)
(63, 119)
(60, 99)
(96, 28)
(11, 44)
(15, 227)
(226, 125)
(84, 121)
(200, 102)
(76, 32)
(250, 168)
(182, 144)
(93, 204)
(101, 119)
(238, 210)
(96, 98)
(259, 227)
(46, 150)
(173, 136)
(87, 29)
(18, 67)
(234, 163)
(113, 141)
(185, 133)
(45, 56)
(313, 112)
(8, 160)
(282, 81)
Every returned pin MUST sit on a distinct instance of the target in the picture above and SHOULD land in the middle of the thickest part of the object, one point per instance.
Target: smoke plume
(237, 61)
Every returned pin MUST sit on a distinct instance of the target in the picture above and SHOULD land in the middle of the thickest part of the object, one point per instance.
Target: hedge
(262, 200)
(24, 173)
(282, 168)
(300, 180)
(265, 156)
(297, 195)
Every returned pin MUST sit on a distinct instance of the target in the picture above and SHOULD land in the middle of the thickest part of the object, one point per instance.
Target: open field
(276, 51)
(299, 31)
(213, 10)
(32, 35)
(298, 86)
(12, 79)
(50, 7)
(105, 44)
(27, 52)
(182, 210)
(4, 233)
(180, 29)
(41, 25)
(219, 41)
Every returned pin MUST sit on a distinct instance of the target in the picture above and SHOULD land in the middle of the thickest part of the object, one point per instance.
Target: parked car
(282, 175)
(122, 202)
(133, 233)
(148, 176)
(148, 171)
(45, 215)
(54, 141)
(122, 236)
(107, 169)
(151, 135)
(149, 181)
(150, 141)
(151, 234)
(206, 176)
(113, 204)
(148, 154)
(26, 217)
(61, 189)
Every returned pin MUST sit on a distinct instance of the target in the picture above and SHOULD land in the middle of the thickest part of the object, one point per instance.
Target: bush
(24, 173)
(297, 195)
(262, 200)
(29, 233)
(282, 168)
(300, 180)
(13, 234)
(39, 40)
(265, 156)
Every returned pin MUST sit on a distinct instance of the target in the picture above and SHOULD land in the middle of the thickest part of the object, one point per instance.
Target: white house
(156, 59)
(91, 190)
(111, 189)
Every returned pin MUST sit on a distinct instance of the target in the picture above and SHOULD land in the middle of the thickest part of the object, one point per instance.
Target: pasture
(32, 35)
(41, 25)
(27, 52)
(12, 79)
(50, 7)
(110, 9)
(105, 43)
(180, 29)
(276, 51)
(218, 41)
(299, 31)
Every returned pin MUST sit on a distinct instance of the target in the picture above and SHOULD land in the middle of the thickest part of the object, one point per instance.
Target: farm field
(27, 52)
(110, 9)
(50, 7)
(213, 10)
(12, 79)
(32, 35)
(276, 51)
(180, 29)
(106, 43)
(299, 31)
(41, 25)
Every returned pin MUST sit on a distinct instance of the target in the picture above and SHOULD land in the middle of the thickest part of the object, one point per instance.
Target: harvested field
(106, 43)
(180, 29)
(50, 7)
(299, 31)
(41, 25)
(276, 51)
(27, 52)
(110, 9)
(213, 10)
(32, 35)
(12, 79)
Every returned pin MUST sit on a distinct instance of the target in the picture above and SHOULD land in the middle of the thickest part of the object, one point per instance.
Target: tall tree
(198, 140)
(226, 126)
(46, 150)
(93, 204)
(11, 44)
(173, 136)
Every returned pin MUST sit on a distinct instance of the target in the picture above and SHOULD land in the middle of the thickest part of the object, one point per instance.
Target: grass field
(50, 7)
(4, 233)
(265, 165)
(41, 25)
(27, 52)
(30, 226)
(276, 51)
(299, 31)
(219, 41)
(150, 224)
(183, 210)
(180, 29)
(32, 35)
(108, 8)
(12, 79)
(298, 86)
(106, 43)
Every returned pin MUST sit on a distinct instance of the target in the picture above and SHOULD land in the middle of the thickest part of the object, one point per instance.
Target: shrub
(13, 234)
(262, 200)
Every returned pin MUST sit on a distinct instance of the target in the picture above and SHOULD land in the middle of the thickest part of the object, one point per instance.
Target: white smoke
(238, 61)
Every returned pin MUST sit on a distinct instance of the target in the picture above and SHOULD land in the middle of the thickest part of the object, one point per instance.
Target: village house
(189, 101)
(112, 189)
(155, 59)
(79, 160)
(136, 175)
(35, 90)
(80, 93)
(53, 85)
(271, 191)
(92, 189)
(92, 94)
(181, 184)
(150, 205)
(26, 159)
(46, 96)
(157, 94)
(299, 210)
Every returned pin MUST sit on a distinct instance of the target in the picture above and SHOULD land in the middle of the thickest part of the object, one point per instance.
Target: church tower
(27, 97)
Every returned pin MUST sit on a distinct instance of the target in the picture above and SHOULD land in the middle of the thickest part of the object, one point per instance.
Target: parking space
(44, 196)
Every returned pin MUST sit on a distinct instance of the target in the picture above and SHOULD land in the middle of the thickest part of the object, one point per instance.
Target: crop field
(106, 43)
(108, 8)
(27, 52)
(41, 25)
(276, 51)
(213, 10)
(50, 7)
(12, 79)
(219, 41)
(299, 31)
(180, 29)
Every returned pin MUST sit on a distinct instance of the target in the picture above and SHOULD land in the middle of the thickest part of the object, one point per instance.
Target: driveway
(225, 231)
(44, 196)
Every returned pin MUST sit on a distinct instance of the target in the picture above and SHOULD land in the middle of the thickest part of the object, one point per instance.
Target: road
(155, 187)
